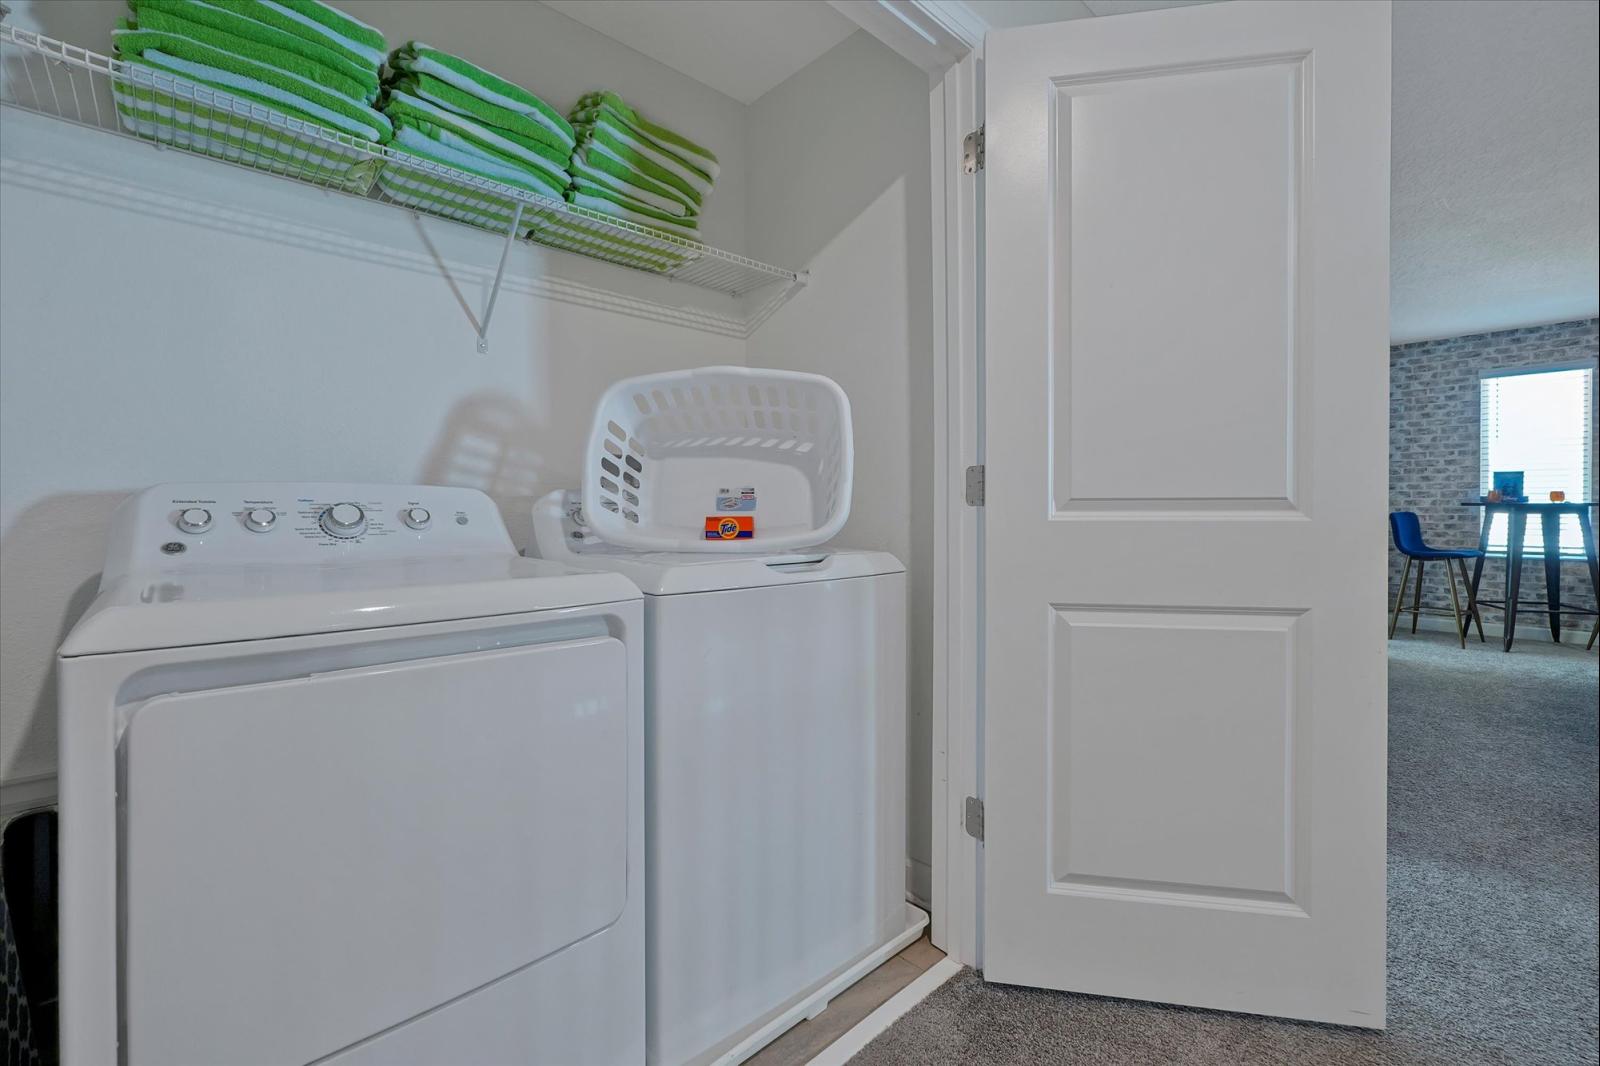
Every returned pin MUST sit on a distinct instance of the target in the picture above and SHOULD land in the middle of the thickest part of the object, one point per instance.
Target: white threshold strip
(868, 1029)
(816, 1001)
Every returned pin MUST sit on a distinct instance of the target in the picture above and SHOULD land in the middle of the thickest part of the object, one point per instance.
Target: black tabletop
(1530, 505)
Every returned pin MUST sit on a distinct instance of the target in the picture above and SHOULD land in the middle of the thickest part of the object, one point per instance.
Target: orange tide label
(730, 527)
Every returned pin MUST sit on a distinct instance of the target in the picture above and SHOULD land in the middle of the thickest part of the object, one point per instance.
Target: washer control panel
(206, 525)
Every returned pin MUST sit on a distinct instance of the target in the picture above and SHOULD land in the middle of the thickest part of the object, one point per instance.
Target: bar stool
(1408, 541)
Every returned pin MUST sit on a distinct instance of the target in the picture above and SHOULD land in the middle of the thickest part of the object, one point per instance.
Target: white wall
(839, 178)
(188, 321)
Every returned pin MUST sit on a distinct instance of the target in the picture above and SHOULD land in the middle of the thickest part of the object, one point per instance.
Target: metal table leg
(1483, 553)
(1517, 520)
(1594, 561)
(1550, 525)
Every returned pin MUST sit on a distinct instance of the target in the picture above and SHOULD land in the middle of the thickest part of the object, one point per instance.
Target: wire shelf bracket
(132, 100)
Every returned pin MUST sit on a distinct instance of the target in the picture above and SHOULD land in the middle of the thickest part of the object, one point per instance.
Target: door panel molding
(1163, 432)
(1140, 741)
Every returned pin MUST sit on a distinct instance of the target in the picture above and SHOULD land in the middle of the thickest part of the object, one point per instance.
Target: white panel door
(1187, 394)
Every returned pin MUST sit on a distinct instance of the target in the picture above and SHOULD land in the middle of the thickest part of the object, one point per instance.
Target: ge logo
(727, 529)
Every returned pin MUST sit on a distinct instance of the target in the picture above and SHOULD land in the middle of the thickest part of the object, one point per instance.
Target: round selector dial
(194, 520)
(417, 518)
(344, 520)
(259, 519)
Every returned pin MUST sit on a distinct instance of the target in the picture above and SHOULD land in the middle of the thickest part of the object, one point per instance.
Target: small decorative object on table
(1508, 483)
(1557, 496)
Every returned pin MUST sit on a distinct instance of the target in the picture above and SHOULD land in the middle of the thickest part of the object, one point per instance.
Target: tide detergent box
(730, 527)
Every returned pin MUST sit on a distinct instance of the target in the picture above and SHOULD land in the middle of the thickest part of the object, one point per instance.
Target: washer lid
(141, 612)
(678, 573)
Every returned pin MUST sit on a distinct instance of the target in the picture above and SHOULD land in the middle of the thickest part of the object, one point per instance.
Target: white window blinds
(1542, 423)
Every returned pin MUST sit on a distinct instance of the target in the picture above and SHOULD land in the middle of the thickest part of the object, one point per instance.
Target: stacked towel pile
(447, 110)
(627, 167)
(299, 58)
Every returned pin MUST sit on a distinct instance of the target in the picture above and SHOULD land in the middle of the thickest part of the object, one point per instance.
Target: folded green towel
(244, 38)
(440, 196)
(570, 232)
(598, 169)
(447, 96)
(275, 15)
(147, 109)
(458, 131)
(644, 156)
(413, 141)
(226, 20)
(702, 159)
(599, 142)
(598, 198)
(331, 24)
(418, 58)
(670, 221)
(250, 81)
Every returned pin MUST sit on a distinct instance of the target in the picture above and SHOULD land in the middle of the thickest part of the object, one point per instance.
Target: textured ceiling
(1494, 203)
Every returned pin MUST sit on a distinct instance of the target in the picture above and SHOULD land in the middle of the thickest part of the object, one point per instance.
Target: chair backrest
(1407, 532)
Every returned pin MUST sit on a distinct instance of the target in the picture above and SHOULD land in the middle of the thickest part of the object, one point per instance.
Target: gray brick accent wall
(1433, 456)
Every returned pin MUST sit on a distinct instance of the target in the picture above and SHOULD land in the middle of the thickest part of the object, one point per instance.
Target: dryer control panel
(195, 526)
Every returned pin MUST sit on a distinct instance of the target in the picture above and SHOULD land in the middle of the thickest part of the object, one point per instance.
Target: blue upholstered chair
(1408, 541)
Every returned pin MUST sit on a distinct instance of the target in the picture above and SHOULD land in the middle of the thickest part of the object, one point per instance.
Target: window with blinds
(1542, 423)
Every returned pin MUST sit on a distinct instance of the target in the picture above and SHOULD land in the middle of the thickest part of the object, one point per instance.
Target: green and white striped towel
(482, 85)
(276, 89)
(460, 132)
(318, 21)
(702, 159)
(595, 198)
(601, 170)
(413, 141)
(569, 233)
(230, 31)
(147, 106)
(439, 196)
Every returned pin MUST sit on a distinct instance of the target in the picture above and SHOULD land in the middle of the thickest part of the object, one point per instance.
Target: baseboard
(26, 793)
(867, 1029)
(812, 1003)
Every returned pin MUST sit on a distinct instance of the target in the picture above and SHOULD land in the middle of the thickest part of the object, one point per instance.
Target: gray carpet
(1492, 898)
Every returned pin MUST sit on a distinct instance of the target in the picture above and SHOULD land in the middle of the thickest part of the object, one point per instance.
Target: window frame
(1591, 471)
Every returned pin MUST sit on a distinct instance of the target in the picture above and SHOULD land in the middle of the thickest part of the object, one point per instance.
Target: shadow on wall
(44, 554)
(487, 443)
(83, 22)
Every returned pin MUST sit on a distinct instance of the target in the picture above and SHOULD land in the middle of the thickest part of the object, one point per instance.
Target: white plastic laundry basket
(723, 459)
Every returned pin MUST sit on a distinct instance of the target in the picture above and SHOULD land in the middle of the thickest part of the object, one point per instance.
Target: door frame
(955, 108)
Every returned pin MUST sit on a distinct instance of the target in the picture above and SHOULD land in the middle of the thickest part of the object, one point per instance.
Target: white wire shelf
(86, 88)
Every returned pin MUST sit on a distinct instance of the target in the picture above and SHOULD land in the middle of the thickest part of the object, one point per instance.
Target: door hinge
(972, 152)
(975, 486)
(973, 818)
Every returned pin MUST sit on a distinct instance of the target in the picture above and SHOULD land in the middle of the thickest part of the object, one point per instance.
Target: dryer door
(309, 862)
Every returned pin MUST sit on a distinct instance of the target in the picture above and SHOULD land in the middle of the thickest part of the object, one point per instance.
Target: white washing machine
(346, 780)
(775, 788)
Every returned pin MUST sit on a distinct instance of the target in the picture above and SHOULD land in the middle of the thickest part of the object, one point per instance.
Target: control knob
(260, 519)
(343, 520)
(194, 520)
(417, 518)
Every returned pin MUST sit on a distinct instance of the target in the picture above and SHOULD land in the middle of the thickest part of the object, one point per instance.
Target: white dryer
(344, 779)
